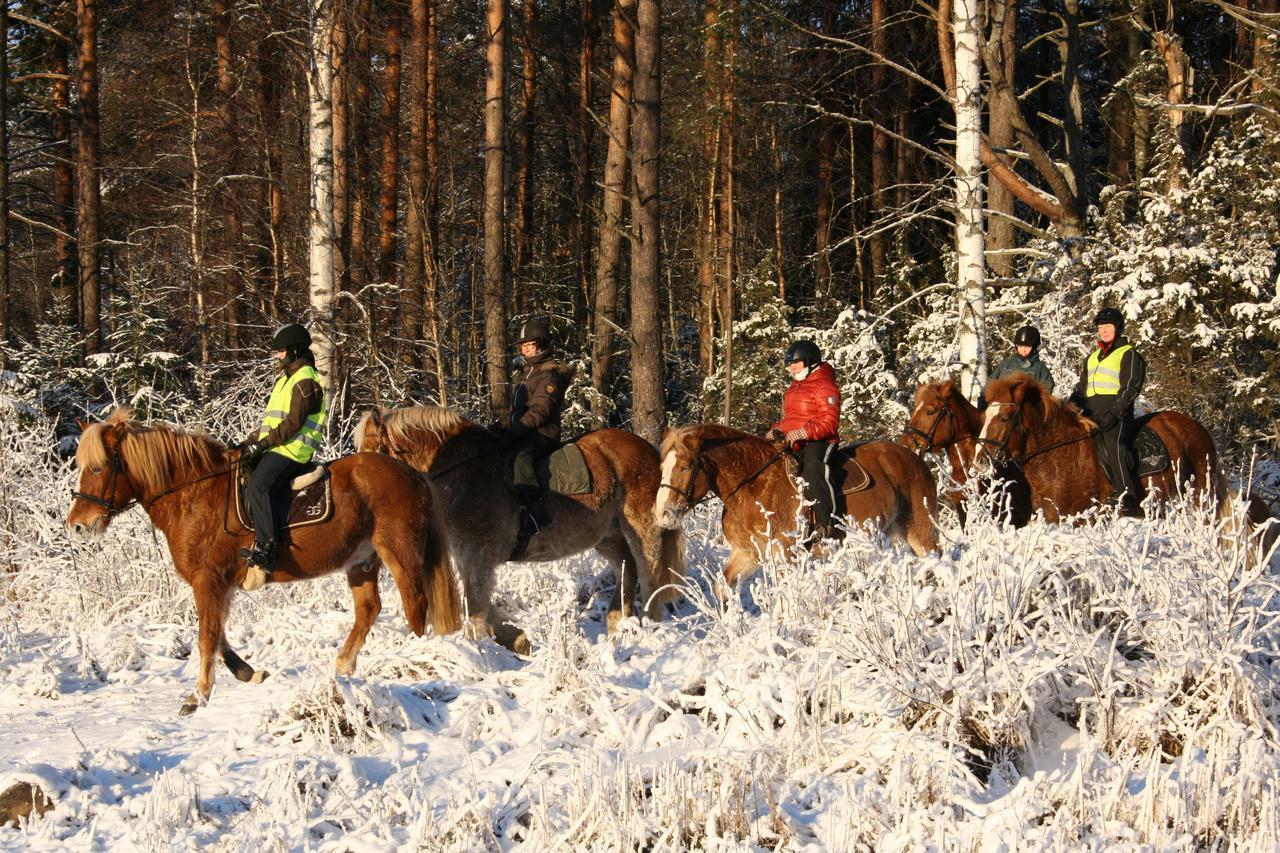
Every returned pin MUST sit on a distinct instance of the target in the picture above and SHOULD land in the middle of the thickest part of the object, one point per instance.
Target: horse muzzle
(87, 531)
(669, 518)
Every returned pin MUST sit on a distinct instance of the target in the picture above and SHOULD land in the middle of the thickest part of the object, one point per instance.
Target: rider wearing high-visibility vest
(290, 434)
(1110, 382)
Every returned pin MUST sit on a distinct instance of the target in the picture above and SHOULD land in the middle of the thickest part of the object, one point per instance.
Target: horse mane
(409, 424)
(157, 455)
(707, 437)
(1052, 410)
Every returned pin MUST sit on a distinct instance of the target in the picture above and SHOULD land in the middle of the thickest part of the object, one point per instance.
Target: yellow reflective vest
(1103, 374)
(307, 440)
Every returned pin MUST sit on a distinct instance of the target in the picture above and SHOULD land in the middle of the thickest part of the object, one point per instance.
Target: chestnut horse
(466, 466)
(943, 419)
(183, 481)
(762, 498)
(1049, 442)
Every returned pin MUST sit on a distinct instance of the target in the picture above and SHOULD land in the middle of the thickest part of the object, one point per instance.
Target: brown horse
(183, 480)
(762, 498)
(943, 419)
(1049, 441)
(466, 466)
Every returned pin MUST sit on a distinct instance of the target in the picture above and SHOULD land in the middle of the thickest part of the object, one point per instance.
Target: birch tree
(969, 236)
(320, 219)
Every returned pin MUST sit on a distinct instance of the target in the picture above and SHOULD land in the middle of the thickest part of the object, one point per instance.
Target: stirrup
(259, 567)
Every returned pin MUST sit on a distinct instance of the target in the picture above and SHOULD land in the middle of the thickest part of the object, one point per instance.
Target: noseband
(117, 468)
(687, 494)
(943, 412)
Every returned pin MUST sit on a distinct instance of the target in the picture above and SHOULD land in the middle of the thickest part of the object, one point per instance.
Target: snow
(1087, 686)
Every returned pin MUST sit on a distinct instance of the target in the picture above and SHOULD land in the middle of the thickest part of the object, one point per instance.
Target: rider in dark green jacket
(1026, 359)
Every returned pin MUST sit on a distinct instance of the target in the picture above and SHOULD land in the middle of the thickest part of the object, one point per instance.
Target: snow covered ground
(1114, 685)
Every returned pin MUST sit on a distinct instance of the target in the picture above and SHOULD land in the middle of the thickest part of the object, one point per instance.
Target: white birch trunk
(320, 149)
(969, 235)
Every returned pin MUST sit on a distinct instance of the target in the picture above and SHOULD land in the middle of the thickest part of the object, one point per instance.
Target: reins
(697, 466)
(1003, 446)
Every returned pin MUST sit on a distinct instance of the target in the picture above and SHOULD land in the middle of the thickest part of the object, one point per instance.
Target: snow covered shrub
(1195, 271)
(873, 402)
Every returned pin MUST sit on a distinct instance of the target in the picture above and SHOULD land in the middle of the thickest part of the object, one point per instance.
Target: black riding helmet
(1112, 316)
(292, 335)
(535, 329)
(805, 351)
(1027, 336)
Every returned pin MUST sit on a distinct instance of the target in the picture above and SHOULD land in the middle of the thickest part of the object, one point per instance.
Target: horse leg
(241, 670)
(622, 604)
(212, 599)
(362, 578)
(742, 563)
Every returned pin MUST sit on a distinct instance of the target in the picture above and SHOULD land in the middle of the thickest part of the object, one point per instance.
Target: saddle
(310, 498)
(564, 471)
(850, 475)
(1153, 456)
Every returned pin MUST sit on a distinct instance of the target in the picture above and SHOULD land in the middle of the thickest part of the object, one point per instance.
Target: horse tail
(669, 573)
(439, 585)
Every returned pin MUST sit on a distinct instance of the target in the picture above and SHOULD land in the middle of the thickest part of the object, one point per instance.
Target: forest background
(683, 188)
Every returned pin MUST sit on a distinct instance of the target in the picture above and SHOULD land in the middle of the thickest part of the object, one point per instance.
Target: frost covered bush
(1195, 270)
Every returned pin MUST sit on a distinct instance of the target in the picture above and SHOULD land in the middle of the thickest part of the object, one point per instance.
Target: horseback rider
(290, 433)
(1110, 381)
(810, 427)
(1026, 359)
(533, 429)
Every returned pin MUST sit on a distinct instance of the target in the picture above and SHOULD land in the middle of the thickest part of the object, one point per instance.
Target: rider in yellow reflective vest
(291, 432)
(1110, 381)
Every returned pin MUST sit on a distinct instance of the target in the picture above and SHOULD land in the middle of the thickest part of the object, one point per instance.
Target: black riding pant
(529, 448)
(1114, 447)
(267, 485)
(815, 467)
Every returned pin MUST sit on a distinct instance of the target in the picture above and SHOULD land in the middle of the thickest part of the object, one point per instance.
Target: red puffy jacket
(813, 405)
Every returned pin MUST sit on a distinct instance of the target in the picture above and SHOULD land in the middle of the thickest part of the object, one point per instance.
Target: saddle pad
(852, 476)
(564, 471)
(313, 504)
(1152, 455)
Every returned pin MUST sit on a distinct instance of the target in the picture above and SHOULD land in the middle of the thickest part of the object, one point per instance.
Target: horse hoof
(188, 708)
(521, 645)
(611, 621)
(254, 578)
(259, 677)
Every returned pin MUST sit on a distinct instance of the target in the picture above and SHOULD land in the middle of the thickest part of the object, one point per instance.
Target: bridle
(944, 412)
(1002, 453)
(117, 468)
(697, 466)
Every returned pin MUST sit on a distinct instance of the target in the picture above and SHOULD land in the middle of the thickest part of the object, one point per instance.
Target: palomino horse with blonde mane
(184, 479)
(1049, 443)
(762, 498)
(466, 466)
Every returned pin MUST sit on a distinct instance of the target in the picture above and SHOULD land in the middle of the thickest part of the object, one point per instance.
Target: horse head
(686, 478)
(370, 435)
(937, 421)
(1017, 408)
(105, 489)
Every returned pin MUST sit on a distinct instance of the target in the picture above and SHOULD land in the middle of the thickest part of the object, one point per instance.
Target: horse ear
(84, 425)
(375, 416)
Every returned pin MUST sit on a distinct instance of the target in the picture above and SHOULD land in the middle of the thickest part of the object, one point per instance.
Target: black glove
(1106, 422)
(248, 449)
(776, 435)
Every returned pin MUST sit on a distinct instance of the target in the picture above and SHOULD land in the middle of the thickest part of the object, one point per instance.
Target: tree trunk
(712, 64)
(1001, 237)
(824, 210)
(612, 228)
(727, 220)
(881, 164)
(1073, 115)
(414, 286)
(232, 283)
(1120, 59)
(1264, 49)
(646, 328)
(495, 270)
(390, 181)
(320, 219)
(523, 223)
(969, 237)
(5, 331)
(358, 261)
(1180, 77)
(87, 176)
(272, 265)
(65, 289)
(341, 58)
(583, 193)
(778, 259)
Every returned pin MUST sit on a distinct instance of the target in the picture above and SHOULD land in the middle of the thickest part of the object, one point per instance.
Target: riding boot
(260, 560)
(534, 517)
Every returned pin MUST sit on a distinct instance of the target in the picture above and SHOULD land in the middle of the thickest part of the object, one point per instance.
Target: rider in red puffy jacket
(810, 426)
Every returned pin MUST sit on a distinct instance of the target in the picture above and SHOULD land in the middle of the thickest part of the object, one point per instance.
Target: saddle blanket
(564, 471)
(850, 475)
(1153, 456)
(312, 503)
